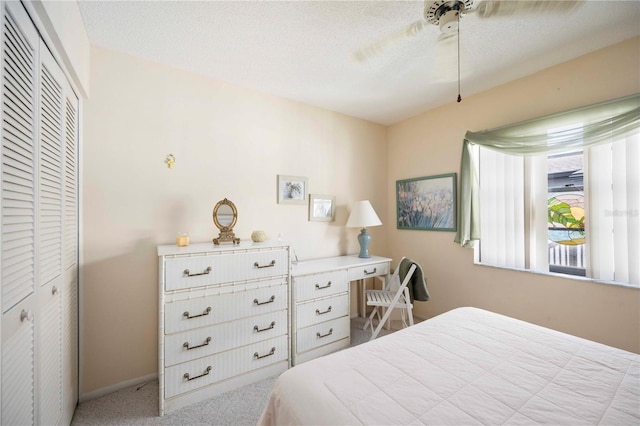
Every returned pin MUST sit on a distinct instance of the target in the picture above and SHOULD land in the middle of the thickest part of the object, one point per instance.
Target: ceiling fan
(446, 15)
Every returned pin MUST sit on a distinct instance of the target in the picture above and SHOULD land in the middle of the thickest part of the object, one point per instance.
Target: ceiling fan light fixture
(436, 11)
(449, 22)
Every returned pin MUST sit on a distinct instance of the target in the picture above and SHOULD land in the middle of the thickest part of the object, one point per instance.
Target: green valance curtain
(597, 124)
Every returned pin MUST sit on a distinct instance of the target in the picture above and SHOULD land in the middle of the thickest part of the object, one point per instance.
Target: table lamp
(363, 216)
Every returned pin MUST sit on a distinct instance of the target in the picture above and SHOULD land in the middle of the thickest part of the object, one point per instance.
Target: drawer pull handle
(187, 347)
(323, 312)
(206, 312)
(372, 272)
(258, 329)
(205, 272)
(320, 336)
(271, 352)
(318, 287)
(257, 265)
(207, 371)
(271, 299)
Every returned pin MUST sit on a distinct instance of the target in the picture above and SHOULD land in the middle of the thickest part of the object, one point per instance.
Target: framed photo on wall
(427, 203)
(292, 189)
(322, 208)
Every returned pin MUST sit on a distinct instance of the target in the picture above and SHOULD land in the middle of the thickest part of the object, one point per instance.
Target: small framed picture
(292, 189)
(322, 208)
(427, 203)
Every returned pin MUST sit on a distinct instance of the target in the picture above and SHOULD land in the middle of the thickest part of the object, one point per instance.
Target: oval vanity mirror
(225, 217)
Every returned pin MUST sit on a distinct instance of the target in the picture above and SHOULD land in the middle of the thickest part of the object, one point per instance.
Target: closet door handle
(320, 336)
(372, 272)
(319, 287)
(269, 265)
(271, 299)
(26, 315)
(189, 274)
(323, 312)
(206, 312)
(206, 372)
(271, 352)
(206, 343)
(259, 330)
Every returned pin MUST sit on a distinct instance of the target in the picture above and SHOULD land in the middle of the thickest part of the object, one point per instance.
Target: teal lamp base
(364, 239)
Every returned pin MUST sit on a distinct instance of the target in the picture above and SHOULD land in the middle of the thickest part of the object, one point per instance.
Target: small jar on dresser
(223, 318)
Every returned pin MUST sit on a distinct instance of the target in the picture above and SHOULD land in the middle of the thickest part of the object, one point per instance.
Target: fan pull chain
(459, 97)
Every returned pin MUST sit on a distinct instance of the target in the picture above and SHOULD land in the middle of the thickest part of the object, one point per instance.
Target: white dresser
(223, 318)
(321, 302)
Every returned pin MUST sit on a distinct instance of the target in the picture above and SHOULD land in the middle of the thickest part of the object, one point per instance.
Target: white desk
(321, 301)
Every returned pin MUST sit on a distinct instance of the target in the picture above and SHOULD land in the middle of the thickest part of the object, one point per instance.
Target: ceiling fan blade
(489, 8)
(375, 49)
(445, 69)
(445, 38)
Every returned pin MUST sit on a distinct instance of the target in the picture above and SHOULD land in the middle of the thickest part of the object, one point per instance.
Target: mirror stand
(226, 237)
(225, 217)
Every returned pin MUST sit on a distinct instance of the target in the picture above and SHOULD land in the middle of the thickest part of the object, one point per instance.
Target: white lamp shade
(363, 216)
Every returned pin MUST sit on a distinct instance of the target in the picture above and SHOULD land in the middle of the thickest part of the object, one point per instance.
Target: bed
(467, 366)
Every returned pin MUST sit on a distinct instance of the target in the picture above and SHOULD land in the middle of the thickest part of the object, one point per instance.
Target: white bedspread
(464, 367)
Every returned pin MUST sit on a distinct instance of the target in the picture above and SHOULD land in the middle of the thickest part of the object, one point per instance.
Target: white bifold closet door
(49, 239)
(19, 164)
(39, 229)
(70, 258)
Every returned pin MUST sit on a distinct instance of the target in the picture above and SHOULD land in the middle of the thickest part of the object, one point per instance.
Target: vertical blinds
(502, 226)
(613, 197)
(612, 184)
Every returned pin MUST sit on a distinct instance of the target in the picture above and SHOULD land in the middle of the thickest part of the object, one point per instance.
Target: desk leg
(361, 297)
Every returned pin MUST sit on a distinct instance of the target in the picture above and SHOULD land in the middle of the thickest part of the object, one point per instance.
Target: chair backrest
(394, 279)
(402, 285)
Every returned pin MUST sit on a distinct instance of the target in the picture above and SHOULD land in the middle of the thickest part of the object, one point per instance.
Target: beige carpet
(138, 405)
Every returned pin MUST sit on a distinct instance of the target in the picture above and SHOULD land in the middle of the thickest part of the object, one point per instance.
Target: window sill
(565, 276)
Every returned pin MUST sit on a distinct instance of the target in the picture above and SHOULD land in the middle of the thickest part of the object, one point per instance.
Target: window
(566, 213)
(602, 223)
(558, 194)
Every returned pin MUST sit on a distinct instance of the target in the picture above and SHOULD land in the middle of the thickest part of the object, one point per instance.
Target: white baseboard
(118, 386)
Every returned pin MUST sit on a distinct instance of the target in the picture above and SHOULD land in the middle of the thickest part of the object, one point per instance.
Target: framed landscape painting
(427, 203)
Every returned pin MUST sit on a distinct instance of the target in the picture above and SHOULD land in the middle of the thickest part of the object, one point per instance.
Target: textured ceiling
(304, 50)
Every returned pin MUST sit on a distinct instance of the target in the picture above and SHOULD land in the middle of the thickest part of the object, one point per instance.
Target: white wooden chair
(390, 298)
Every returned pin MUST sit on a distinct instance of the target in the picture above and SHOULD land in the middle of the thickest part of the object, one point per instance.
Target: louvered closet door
(49, 238)
(19, 204)
(70, 259)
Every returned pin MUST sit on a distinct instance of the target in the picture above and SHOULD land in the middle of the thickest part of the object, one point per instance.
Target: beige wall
(430, 144)
(228, 142)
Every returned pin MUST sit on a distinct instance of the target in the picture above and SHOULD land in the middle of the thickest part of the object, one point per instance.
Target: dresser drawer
(205, 371)
(309, 338)
(320, 285)
(205, 341)
(188, 314)
(197, 271)
(317, 311)
(373, 270)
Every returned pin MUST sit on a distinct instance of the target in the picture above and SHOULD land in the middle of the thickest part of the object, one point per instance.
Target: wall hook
(170, 160)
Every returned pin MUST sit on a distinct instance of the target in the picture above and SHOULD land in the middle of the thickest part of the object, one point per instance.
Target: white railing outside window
(569, 256)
